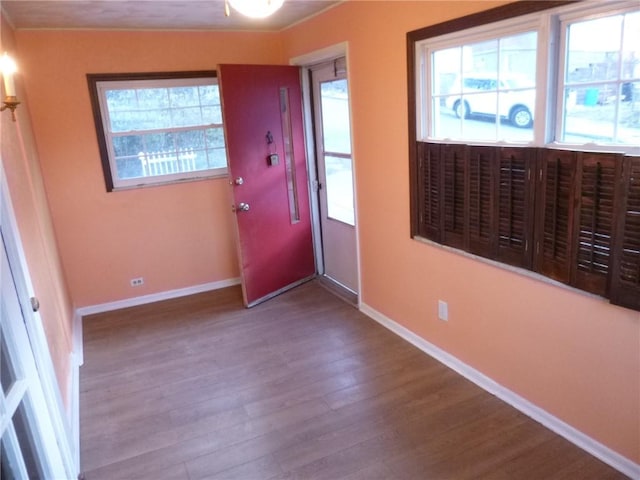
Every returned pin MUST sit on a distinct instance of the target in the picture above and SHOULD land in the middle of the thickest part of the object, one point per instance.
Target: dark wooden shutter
(481, 174)
(625, 278)
(429, 191)
(554, 222)
(454, 208)
(597, 175)
(514, 208)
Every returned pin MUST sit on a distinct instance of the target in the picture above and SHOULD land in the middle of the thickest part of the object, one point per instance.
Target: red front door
(262, 111)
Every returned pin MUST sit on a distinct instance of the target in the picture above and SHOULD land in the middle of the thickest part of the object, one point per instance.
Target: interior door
(264, 132)
(26, 448)
(335, 173)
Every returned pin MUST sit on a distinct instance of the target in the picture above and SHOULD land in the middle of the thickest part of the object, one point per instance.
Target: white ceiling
(150, 14)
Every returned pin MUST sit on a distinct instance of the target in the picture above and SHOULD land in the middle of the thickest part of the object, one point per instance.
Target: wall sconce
(253, 8)
(8, 68)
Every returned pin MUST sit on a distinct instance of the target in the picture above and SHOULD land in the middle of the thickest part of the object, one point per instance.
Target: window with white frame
(158, 128)
(568, 76)
(600, 79)
(524, 140)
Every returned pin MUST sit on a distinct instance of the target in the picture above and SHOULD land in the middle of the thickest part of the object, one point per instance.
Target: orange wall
(21, 165)
(571, 354)
(174, 236)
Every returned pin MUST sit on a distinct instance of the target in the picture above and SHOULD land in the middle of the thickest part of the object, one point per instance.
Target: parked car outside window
(509, 96)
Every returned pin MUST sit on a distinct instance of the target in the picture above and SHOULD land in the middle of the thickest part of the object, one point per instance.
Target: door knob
(241, 207)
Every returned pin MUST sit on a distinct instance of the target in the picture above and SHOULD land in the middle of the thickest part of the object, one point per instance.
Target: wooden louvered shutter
(514, 208)
(625, 277)
(597, 175)
(429, 191)
(554, 222)
(454, 208)
(481, 174)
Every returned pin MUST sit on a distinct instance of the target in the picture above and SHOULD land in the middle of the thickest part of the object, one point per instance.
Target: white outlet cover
(443, 310)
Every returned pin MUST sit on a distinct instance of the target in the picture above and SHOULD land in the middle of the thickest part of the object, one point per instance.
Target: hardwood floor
(301, 387)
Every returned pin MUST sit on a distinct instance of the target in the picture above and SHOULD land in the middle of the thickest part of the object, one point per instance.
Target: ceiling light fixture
(254, 8)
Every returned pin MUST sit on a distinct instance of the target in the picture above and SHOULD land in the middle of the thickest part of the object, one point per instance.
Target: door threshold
(338, 290)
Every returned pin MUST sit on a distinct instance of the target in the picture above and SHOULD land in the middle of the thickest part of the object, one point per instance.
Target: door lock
(241, 207)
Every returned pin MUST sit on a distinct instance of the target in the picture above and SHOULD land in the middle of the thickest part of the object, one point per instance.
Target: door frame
(305, 62)
(61, 433)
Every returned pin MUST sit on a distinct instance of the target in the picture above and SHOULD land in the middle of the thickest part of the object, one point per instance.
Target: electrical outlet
(443, 310)
(136, 282)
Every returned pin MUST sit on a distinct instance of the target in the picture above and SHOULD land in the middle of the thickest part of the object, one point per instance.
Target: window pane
(215, 137)
(212, 115)
(217, 158)
(131, 120)
(335, 116)
(591, 111)
(631, 46)
(594, 50)
(186, 117)
(130, 167)
(25, 430)
(192, 139)
(151, 98)
(159, 142)
(127, 145)
(7, 374)
(446, 64)
(184, 96)
(485, 91)
(339, 189)
(602, 75)
(629, 114)
(121, 99)
(209, 94)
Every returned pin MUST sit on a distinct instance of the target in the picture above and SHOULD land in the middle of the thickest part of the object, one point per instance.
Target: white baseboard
(553, 423)
(156, 297)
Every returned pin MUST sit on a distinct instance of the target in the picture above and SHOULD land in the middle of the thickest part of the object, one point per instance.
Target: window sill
(171, 182)
(517, 270)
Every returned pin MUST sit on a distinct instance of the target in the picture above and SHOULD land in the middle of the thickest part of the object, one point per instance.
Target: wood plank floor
(301, 387)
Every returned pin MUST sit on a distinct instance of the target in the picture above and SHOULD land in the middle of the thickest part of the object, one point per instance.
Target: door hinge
(317, 186)
(35, 304)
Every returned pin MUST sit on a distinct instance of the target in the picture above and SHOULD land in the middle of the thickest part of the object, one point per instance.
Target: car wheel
(521, 117)
(461, 109)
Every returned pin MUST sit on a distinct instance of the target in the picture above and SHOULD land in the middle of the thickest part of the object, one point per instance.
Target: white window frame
(563, 19)
(550, 26)
(105, 136)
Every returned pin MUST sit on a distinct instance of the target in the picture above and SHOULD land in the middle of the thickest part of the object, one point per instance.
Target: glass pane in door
(26, 440)
(339, 189)
(18, 454)
(11, 463)
(7, 373)
(336, 134)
